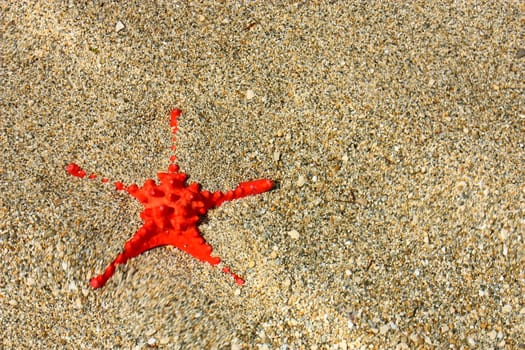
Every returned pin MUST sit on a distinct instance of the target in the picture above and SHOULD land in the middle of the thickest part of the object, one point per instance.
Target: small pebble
(276, 156)
(150, 332)
(414, 338)
(72, 286)
(119, 26)
(235, 345)
(507, 308)
(78, 303)
(471, 342)
(301, 181)
(294, 234)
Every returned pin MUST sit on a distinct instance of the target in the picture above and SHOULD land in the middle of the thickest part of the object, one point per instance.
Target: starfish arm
(75, 170)
(145, 240)
(100, 280)
(244, 189)
(250, 188)
(132, 248)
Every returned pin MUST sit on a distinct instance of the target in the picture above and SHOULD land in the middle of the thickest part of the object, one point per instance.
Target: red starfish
(172, 211)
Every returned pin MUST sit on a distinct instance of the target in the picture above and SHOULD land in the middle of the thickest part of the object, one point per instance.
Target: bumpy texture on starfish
(172, 211)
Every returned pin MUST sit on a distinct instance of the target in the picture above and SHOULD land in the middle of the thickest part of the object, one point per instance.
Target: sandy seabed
(396, 133)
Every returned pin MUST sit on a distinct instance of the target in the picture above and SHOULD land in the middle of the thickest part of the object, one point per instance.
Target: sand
(396, 133)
